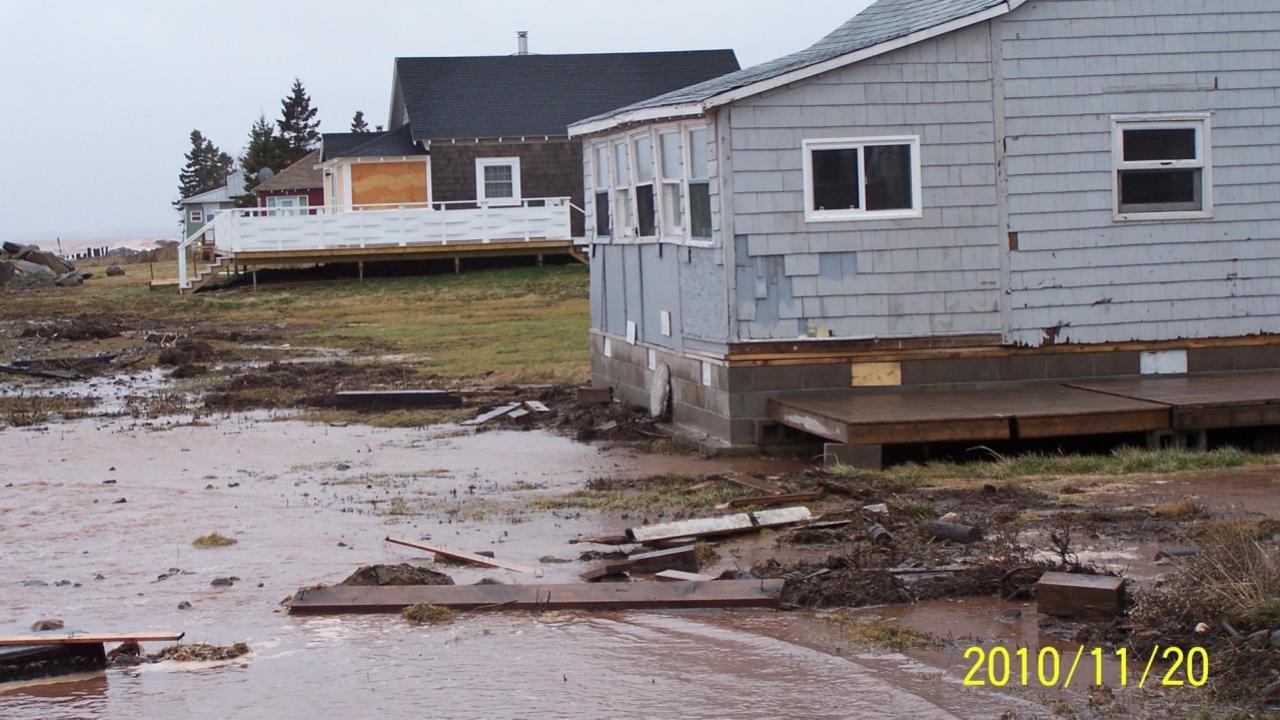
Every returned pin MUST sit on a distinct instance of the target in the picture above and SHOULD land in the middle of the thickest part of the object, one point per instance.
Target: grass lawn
(520, 324)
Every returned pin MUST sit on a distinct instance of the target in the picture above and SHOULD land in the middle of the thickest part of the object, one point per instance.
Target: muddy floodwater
(94, 512)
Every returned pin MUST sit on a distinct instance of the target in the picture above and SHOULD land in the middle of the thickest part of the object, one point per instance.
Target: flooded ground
(299, 500)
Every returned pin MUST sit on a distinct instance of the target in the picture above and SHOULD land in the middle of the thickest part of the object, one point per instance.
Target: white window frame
(861, 212)
(195, 217)
(1201, 123)
(623, 195)
(598, 171)
(482, 163)
(678, 181)
(633, 140)
(687, 140)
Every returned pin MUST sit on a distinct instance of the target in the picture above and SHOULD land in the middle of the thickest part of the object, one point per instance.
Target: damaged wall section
(934, 275)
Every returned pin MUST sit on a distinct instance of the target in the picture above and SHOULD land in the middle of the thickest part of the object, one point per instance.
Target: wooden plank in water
(87, 638)
(774, 499)
(578, 596)
(485, 417)
(763, 486)
(1075, 595)
(781, 516)
(681, 576)
(465, 557)
(395, 399)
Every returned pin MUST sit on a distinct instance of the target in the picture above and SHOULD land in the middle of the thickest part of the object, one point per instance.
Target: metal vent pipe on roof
(522, 42)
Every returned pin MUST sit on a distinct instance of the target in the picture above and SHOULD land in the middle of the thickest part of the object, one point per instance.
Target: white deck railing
(396, 225)
(442, 223)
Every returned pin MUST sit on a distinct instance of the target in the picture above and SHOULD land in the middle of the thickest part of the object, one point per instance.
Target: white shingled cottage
(943, 193)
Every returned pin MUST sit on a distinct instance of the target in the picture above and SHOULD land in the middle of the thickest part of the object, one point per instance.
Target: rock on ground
(115, 271)
(47, 624)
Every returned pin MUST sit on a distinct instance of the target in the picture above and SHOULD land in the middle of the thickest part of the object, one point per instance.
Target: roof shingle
(392, 143)
(302, 175)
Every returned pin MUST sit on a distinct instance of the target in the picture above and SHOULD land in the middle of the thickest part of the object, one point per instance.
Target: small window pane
(670, 155)
(888, 177)
(1167, 144)
(1160, 190)
(700, 209)
(645, 210)
(602, 213)
(835, 179)
(622, 163)
(644, 159)
(622, 213)
(698, 169)
(602, 166)
(672, 209)
(498, 182)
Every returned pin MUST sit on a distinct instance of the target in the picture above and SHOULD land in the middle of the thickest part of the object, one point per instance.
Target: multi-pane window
(653, 184)
(1162, 167)
(646, 210)
(671, 172)
(197, 217)
(498, 180)
(850, 179)
(699, 185)
(602, 183)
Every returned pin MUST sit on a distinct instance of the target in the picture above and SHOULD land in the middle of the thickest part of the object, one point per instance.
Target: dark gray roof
(520, 95)
(302, 175)
(883, 21)
(392, 143)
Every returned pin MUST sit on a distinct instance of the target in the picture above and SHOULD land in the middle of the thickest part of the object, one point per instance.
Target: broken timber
(395, 399)
(36, 372)
(485, 417)
(774, 499)
(723, 525)
(681, 576)
(465, 557)
(677, 558)
(578, 596)
(1075, 595)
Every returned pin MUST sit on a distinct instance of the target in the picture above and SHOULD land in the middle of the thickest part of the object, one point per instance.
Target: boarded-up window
(851, 179)
(1161, 167)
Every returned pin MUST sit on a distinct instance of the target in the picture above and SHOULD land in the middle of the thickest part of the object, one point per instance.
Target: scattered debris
(774, 499)
(595, 395)
(402, 574)
(427, 614)
(954, 532)
(466, 557)
(200, 652)
(681, 576)
(678, 558)
(187, 352)
(213, 540)
(712, 527)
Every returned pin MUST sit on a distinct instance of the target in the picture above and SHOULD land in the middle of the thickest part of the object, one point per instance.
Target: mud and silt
(309, 503)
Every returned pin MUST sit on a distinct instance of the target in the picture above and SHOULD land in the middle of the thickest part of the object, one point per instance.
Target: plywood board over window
(380, 183)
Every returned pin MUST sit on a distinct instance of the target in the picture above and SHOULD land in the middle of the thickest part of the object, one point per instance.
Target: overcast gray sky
(97, 99)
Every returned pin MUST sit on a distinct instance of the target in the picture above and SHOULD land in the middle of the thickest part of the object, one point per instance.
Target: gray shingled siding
(935, 275)
(1068, 67)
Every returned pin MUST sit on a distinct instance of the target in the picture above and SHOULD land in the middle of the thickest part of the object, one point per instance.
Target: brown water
(291, 509)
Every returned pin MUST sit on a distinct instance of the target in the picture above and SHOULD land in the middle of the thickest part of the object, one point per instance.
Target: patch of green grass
(387, 418)
(1124, 461)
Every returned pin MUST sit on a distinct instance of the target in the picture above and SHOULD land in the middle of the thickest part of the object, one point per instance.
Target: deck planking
(998, 412)
(1202, 402)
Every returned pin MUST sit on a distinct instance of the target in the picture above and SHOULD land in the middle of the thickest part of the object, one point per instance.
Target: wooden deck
(383, 253)
(1012, 411)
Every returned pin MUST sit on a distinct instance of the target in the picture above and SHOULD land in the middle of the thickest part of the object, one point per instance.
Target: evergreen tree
(299, 128)
(265, 150)
(358, 125)
(206, 169)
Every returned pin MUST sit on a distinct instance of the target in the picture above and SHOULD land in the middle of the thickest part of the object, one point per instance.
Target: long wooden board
(466, 557)
(87, 638)
(1203, 402)
(578, 596)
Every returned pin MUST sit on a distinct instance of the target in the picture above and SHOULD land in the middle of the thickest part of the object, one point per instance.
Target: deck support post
(255, 279)
(457, 266)
(863, 457)
(360, 266)
(539, 259)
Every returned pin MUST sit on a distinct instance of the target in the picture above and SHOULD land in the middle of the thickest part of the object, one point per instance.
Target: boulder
(49, 260)
(7, 272)
(13, 248)
(115, 271)
(24, 267)
(70, 279)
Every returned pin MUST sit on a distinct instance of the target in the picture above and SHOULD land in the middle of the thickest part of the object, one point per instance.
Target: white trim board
(600, 123)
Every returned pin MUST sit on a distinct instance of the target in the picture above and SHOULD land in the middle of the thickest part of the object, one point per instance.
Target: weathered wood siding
(935, 275)
(1068, 66)
(548, 168)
